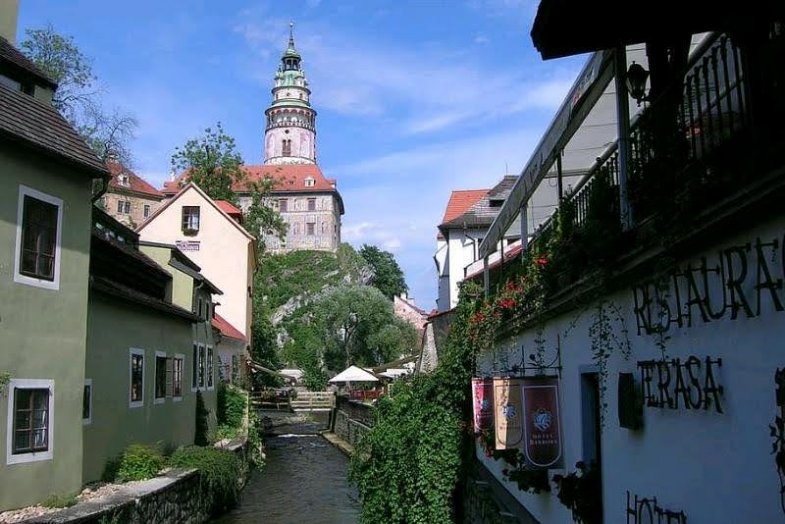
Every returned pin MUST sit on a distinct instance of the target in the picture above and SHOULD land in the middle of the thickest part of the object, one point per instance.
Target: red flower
(542, 261)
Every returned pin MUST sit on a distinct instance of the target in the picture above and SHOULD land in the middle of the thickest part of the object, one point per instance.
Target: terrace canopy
(354, 374)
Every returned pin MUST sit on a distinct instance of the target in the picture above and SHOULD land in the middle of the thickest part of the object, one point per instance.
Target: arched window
(287, 147)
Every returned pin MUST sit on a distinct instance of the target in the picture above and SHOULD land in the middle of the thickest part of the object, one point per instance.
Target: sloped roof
(461, 201)
(37, 124)
(136, 183)
(226, 329)
(228, 208)
(481, 212)
(12, 58)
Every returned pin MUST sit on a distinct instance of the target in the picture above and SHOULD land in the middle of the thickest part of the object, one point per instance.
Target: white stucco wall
(716, 467)
(462, 245)
(223, 253)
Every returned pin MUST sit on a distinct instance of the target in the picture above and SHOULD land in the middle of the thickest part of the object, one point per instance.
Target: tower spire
(291, 35)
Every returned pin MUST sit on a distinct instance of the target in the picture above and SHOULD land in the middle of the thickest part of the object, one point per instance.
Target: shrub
(219, 470)
(140, 462)
(231, 406)
(56, 500)
(200, 436)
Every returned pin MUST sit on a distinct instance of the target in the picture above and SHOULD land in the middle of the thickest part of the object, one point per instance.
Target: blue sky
(415, 98)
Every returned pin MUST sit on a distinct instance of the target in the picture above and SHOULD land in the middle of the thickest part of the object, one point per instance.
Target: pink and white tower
(290, 133)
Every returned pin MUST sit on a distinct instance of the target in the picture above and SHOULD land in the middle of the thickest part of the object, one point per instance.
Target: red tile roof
(288, 179)
(461, 201)
(226, 329)
(136, 183)
(229, 208)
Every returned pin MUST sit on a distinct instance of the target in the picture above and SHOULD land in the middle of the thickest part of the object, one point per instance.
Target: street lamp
(636, 82)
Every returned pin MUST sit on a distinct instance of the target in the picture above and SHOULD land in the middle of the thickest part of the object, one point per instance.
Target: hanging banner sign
(542, 423)
(507, 412)
(482, 398)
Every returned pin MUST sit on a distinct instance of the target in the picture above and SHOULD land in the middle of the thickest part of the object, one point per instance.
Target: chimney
(9, 14)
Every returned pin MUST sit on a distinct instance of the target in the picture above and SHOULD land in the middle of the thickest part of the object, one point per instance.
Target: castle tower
(290, 132)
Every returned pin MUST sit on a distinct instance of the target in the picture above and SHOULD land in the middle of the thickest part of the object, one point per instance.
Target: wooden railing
(313, 400)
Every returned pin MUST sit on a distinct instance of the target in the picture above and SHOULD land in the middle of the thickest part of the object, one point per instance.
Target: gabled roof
(483, 210)
(354, 374)
(136, 184)
(412, 305)
(36, 124)
(204, 195)
(461, 201)
(14, 62)
(226, 329)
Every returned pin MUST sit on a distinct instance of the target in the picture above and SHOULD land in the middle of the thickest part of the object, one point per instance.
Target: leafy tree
(262, 219)
(211, 162)
(77, 96)
(352, 324)
(387, 275)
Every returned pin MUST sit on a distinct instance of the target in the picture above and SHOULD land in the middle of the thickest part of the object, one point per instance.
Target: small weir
(303, 480)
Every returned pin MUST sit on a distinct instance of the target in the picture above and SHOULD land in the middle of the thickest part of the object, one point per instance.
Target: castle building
(309, 202)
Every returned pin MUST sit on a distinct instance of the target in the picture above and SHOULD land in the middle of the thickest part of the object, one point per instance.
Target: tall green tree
(107, 132)
(387, 275)
(354, 324)
(211, 162)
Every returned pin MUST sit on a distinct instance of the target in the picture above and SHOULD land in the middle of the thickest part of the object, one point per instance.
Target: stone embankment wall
(351, 419)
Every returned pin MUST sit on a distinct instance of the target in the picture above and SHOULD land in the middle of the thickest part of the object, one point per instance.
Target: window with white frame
(190, 220)
(210, 367)
(87, 402)
(30, 415)
(178, 365)
(39, 228)
(136, 375)
(146, 211)
(160, 377)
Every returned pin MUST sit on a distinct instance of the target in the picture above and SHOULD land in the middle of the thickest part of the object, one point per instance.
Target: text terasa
(677, 384)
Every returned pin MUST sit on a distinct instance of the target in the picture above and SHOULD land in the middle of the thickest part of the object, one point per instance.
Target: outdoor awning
(354, 374)
(258, 367)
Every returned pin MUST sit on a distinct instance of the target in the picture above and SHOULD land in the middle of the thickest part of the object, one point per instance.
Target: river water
(303, 481)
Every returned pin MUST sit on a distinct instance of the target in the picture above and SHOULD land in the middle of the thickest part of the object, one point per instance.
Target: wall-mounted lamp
(636, 82)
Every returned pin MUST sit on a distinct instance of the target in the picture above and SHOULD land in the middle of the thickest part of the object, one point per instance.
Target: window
(283, 205)
(310, 181)
(210, 371)
(87, 402)
(311, 204)
(201, 367)
(287, 147)
(190, 220)
(136, 393)
(146, 211)
(177, 376)
(199, 310)
(124, 180)
(160, 377)
(194, 369)
(30, 410)
(39, 219)
(124, 207)
(311, 228)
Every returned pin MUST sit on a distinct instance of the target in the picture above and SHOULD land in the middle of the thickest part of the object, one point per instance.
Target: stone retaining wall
(351, 419)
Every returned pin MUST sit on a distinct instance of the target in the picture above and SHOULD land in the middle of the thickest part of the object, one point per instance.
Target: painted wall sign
(738, 281)
(187, 245)
(542, 422)
(647, 511)
(507, 408)
(677, 384)
(482, 397)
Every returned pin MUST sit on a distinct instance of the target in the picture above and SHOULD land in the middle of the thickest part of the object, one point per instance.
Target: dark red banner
(482, 395)
(542, 422)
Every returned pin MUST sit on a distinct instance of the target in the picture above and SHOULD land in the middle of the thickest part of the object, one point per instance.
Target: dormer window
(310, 182)
(124, 180)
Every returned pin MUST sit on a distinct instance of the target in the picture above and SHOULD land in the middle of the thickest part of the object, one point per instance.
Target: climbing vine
(409, 465)
(608, 333)
(5, 379)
